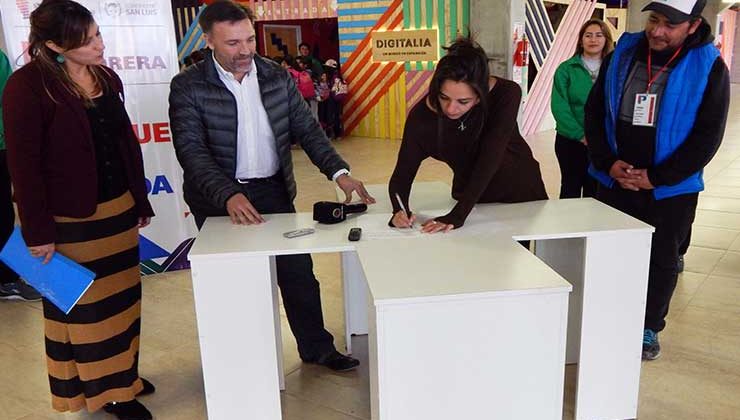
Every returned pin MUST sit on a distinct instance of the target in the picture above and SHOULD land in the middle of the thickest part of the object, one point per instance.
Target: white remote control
(299, 232)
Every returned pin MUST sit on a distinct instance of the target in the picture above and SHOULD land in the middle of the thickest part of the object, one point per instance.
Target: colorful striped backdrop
(375, 105)
(566, 39)
(451, 17)
(183, 14)
(539, 31)
(192, 39)
(386, 115)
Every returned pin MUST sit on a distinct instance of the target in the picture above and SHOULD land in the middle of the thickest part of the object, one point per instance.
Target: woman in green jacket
(572, 84)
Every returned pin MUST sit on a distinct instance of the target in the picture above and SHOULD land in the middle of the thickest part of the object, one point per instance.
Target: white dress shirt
(256, 151)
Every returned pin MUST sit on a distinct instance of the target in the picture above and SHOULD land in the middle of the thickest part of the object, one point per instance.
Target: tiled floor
(698, 376)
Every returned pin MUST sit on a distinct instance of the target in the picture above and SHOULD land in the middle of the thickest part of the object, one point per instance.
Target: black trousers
(672, 218)
(7, 216)
(298, 285)
(330, 115)
(575, 182)
(684, 248)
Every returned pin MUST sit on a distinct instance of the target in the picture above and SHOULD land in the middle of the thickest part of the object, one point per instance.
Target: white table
(463, 325)
(424, 195)
(579, 239)
(605, 255)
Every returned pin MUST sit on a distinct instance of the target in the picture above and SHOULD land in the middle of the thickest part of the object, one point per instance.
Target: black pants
(672, 218)
(7, 216)
(575, 182)
(298, 285)
(330, 115)
(685, 244)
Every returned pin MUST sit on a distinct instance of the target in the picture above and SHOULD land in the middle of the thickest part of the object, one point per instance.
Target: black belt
(259, 180)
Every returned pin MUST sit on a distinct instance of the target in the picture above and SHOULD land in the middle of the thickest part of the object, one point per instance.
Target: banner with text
(140, 46)
(405, 45)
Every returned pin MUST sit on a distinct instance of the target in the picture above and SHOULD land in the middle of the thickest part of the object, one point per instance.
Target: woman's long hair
(65, 23)
(609, 41)
(466, 62)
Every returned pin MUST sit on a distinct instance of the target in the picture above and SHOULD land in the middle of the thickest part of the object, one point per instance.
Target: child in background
(324, 89)
(284, 61)
(324, 98)
(306, 85)
(333, 107)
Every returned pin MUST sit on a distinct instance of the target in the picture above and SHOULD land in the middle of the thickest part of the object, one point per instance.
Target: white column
(355, 297)
(492, 23)
(236, 329)
(614, 297)
(567, 258)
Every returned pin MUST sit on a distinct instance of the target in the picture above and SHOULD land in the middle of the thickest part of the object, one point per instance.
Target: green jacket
(5, 71)
(570, 91)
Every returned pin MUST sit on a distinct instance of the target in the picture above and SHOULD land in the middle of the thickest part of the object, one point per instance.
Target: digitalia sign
(406, 45)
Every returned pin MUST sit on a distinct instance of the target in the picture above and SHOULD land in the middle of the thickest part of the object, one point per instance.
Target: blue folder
(61, 280)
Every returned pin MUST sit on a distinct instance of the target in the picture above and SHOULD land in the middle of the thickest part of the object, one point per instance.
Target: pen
(400, 203)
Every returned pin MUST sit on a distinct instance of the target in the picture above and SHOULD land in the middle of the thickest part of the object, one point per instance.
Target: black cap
(677, 11)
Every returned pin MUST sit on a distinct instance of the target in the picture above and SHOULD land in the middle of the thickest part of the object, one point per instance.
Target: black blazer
(51, 156)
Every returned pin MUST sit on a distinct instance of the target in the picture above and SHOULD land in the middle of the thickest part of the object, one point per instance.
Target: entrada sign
(405, 45)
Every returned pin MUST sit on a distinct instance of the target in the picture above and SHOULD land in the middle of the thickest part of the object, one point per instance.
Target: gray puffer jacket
(203, 121)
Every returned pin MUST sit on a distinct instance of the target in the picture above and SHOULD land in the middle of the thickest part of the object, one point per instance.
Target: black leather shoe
(129, 410)
(148, 388)
(337, 362)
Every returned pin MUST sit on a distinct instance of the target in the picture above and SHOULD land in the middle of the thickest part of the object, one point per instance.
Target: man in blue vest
(654, 120)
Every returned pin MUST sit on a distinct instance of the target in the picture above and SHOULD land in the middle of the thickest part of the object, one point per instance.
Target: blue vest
(682, 96)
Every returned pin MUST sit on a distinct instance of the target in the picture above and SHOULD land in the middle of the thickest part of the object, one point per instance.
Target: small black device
(354, 234)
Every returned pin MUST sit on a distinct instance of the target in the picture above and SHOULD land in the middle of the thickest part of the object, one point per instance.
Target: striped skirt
(92, 353)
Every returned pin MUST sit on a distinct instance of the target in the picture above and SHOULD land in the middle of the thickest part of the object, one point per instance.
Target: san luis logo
(111, 8)
(114, 8)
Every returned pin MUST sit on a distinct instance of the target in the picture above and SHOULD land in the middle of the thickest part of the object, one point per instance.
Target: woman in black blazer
(79, 184)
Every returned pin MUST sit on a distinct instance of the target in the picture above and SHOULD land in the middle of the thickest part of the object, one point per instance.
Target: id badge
(644, 113)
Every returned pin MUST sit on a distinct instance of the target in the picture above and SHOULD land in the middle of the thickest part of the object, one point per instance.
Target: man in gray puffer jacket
(232, 117)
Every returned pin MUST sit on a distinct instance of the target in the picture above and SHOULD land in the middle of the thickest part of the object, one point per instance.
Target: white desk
(463, 325)
(605, 255)
(424, 195)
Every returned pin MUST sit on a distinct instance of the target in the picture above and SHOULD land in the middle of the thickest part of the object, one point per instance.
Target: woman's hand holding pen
(401, 220)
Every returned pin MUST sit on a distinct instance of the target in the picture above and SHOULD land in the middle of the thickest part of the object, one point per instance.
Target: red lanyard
(652, 79)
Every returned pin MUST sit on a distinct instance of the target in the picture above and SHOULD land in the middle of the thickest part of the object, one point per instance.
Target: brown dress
(490, 160)
(93, 352)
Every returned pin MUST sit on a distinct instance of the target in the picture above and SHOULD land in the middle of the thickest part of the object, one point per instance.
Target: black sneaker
(18, 290)
(650, 345)
(336, 361)
(129, 410)
(679, 264)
